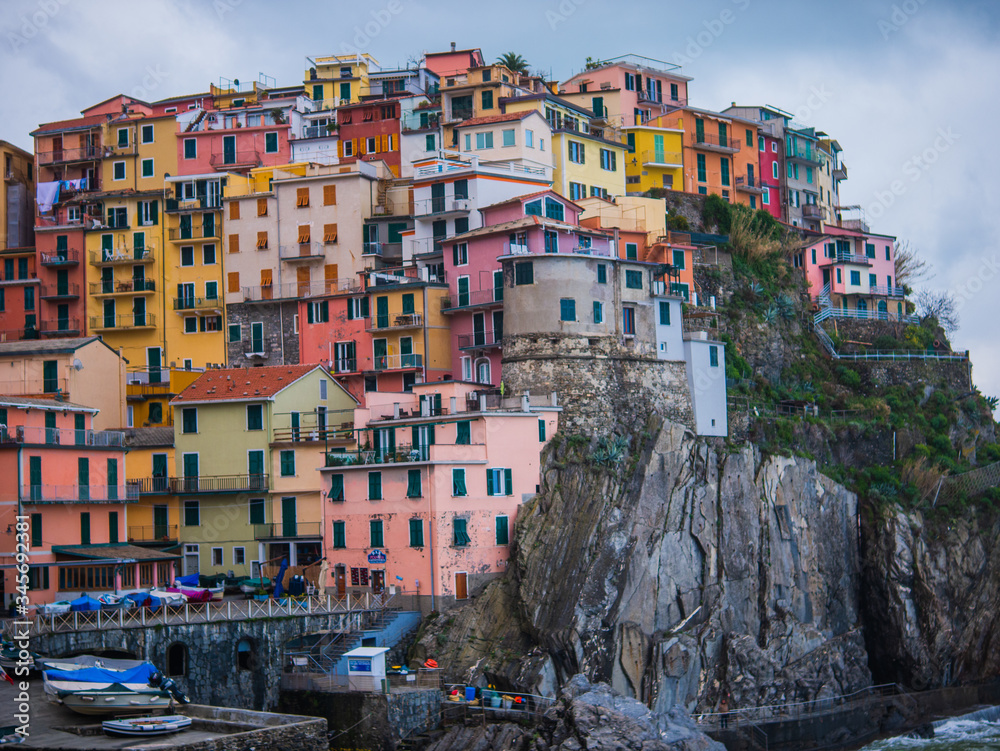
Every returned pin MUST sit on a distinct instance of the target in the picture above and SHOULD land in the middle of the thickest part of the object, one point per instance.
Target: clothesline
(47, 194)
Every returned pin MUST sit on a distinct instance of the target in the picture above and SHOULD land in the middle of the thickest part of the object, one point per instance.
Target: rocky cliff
(674, 571)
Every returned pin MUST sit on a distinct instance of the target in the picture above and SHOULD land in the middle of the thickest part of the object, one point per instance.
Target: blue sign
(359, 666)
(376, 556)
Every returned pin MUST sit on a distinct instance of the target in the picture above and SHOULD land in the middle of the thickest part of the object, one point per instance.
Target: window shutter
(325, 310)
(265, 277)
(302, 197)
(350, 310)
(364, 307)
(329, 233)
(330, 272)
(154, 207)
(330, 194)
(489, 482)
(234, 243)
(234, 209)
(261, 240)
(508, 481)
(309, 313)
(304, 233)
(261, 207)
(234, 281)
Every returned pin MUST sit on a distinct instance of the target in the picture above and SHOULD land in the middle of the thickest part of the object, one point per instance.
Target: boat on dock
(136, 687)
(147, 725)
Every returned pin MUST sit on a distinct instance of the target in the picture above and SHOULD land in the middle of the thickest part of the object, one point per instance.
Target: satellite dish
(236, 82)
(77, 365)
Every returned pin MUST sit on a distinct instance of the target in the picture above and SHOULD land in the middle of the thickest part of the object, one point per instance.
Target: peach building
(428, 504)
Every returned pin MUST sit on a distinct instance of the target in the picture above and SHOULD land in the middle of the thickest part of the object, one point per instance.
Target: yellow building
(127, 295)
(333, 80)
(655, 155)
(154, 520)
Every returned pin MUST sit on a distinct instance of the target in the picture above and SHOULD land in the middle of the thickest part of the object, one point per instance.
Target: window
(602, 274)
(413, 485)
(809, 175)
(503, 534)
(190, 325)
(270, 143)
(257, 511)
(375, 537)
(766, 197)
(702, 169)
(239, 556)
(187, 255)
(305, 234)
(628, 321)
(524, 273)
(147, 168)
(460, 254)
(416, 533)
(870, 250)
(609, 160)
(577, 191)
(774, 170)
(551, 241)
(336, 488)
(189, 420)
(208, 255)
(322, 390)
(357, 308)
(664, 313)
(872, 280)
(287, 460)
(856, 277)
(484, 140)
(190, 148)
(576, 152)
(567, 309)
(840, 278)
(155, 413)
(458, 482)
(262, 211)
(29, 298)
(541, 429)
(887, 253)
(459, 532)
(118, 171)
(244, 655)
(463, 433)
(302, 197)
(216, 556)
(339, 534)
(633, 279)
(598, 312)
(507, 137)
(487, 100)
(713, 356)
(724, 169)
(498, 481)
(192, 513)
(677, 258)
(629, 82)
(122, 137)
(318, 312)
(529, 139)
(374, 486)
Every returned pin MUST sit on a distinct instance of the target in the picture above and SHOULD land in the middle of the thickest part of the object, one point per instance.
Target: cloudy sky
(906, 87)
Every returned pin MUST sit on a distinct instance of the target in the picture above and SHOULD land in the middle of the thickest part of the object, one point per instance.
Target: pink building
(632, 89)
(68, 482)
(542, 222)
(428, 504)
(852, 273)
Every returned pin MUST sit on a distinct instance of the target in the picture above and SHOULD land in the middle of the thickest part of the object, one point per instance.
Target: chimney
(452, 46)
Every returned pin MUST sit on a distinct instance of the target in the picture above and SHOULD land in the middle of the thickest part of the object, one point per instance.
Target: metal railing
(401, 454)
(669, 158)
(301, 252)
(122, 256)
(58, 325)
(54, 290)
(60, 258)
(78, 493)
(480, 339)
(715, 142)
(62, 436)
(87, 153)
(201, 232)
(812, 211)
(397, 362)
(112, 287)
(29, 386)
(291, 290)
(400, 321)
(344, 365)
(123, 321)
(887, 291)
(153, 533)
(197, 303)
(201, 484)
(297, 529)
(442, 205)
(842, 257)
(862, 315)
(805, 153)
(203, 612)
(750, 184)
(476, 298)
(192, 204)
(247, 158)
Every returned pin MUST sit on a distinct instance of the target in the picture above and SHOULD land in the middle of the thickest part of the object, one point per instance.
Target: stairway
(383, 196)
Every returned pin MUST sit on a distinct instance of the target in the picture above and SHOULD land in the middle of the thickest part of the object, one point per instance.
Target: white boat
(147, 725)
(60, 607)
(86, 661)
(168, 598)
(103, 690)
(115, 602)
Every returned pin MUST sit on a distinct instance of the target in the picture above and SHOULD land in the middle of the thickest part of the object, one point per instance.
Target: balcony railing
(749, 184)
(480, 340)
(804, 152)
(842, 257)
(655, 158)
(302, 252)
(31, 387)
(59, 326)
(172, 205)
(475, 299)
(395, 250)
(153, 533)
(123, 321)
(62, 437)
(306, 433)
(212, 232)
(812, 211)
(235, 159)
(516, 249)
(122, 286)
(152, 485)
(55, 291)
(292, 290)
(715, 143)
(442, 205)
(61, 258)
(887, 291)
(401, 454)
(397, 362)
(122, 256)
(279, 530)
(80, 154)
(401, 321)
(319, 131)
(78, 493)
(426, 120)
(197, 303)
(220, 483)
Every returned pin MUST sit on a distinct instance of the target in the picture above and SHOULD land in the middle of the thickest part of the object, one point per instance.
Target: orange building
(720, 155)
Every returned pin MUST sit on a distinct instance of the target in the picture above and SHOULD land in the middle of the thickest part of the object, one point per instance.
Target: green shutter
(85, 528)
(112, 527)
(288, 463)
(35, 477)
(458, 482)
(416, 533)
(375, 538)
(503, 536)
(83, 475)
(464, 433)
(460, 532)
(489, 481)
(339, 535)
(112, 479)
(413, 484)
(336, 488)
(36, 530)
(374, 486)
(256, 510)
(541, 430)
(508, 477)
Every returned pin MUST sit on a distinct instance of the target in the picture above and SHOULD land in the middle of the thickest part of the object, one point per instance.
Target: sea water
(979, 731)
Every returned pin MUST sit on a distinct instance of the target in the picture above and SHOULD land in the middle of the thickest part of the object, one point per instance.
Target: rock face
(588, 716)
(935, 591)
(681, 572)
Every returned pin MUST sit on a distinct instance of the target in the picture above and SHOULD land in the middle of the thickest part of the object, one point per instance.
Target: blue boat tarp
(191, 580)
(142, 598)
(138, 674)
(83, 603)
(279, 588)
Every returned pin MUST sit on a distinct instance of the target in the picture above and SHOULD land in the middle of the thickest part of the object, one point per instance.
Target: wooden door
(340, 576)
(461, 586)
(378, 581)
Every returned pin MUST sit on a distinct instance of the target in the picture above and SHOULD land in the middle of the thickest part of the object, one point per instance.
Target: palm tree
(514, 62)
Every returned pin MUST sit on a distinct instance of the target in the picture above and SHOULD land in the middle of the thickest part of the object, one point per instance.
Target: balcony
(319, 131)
(420, 120)
(78, 494)
(383, 363)
(61, 258)
(516, 249)
(308, 433)
(122, 257)
(59, 327)
(804, 152)
(252, 348)
(302, 252)
(219, 484)
(480, 298)
(812, 211)
(31, 387)
(176, 205)
(63, 156)
(884, 291)
(14, 335)
(184, 304)
(842, 257)
(153, 533)
(480, 340)
(441, 207)
(152, 485)
(839, 172)
(397, 323)
(671, 159)
(717, 143)
(287, 530)
(177, 234)
(111, 287)
(403, 454)
(392, 250)
(60, 292)
(235, 160)
(104, 439)
(123, 322)
(749, 185)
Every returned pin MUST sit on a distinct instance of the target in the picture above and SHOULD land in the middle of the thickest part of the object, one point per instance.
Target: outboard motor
(171, 686)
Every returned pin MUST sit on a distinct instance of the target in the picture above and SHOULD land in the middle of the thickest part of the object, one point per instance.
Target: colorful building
(17, 198)
(154, 520)
(431, 496)
(19, 294)
(231, 428)
(720, 156)
(655, 157)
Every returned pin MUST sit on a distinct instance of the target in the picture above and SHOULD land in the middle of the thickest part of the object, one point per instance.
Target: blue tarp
(138, 674)
(141, 598)
(191, 580)
(85, 602)
(279, 588)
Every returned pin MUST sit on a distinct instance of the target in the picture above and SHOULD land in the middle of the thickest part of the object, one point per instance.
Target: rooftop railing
(62, 437)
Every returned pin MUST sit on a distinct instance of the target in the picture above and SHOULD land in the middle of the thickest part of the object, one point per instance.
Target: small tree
(910, 267)
(940, 306)
(514, 62)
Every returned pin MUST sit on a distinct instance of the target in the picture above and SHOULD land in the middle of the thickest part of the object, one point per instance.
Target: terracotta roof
(509, 117)
(241, 384)
(77, 122)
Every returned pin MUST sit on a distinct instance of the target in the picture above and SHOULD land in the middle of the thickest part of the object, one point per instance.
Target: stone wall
(604, 386)
(877, 375)
(281, 343)
(265, 731)
(689, 206)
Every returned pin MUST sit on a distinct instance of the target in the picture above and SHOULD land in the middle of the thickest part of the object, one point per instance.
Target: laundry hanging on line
(47, 194)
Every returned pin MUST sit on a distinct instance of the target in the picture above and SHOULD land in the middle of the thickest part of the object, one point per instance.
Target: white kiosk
(366, 668)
